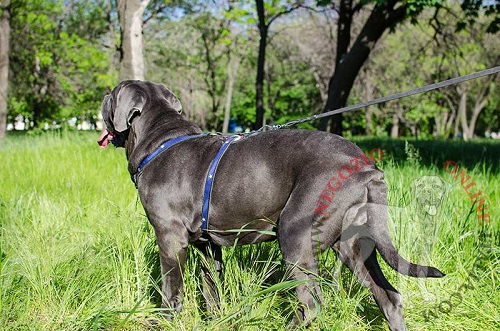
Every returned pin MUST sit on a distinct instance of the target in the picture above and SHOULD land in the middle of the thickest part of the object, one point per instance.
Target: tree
(131, 47)
(313, 36)
(433, 52)
(350, 58)
(293, 75)
(58, 66)
(214, 51)
(4, 63)
(267, 14)
(232, 68)
(202, 71)
(177, 67)
(466, 47)
(478, 49)
(384, 15)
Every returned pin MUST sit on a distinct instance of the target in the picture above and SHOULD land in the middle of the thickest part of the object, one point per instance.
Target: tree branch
(295, 6)
(154, 13)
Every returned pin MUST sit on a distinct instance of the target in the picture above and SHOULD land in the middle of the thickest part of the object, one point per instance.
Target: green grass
(77, 252)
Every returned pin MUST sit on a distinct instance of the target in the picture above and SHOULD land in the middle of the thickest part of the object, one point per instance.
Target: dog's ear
(106, 109)
(130, 102)
(172, 100)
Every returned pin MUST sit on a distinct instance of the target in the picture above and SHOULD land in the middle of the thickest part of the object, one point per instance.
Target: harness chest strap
(210, 179)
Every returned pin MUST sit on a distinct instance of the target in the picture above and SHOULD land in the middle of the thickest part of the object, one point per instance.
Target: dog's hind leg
(361, 258)
(357, 251)
(211, 267)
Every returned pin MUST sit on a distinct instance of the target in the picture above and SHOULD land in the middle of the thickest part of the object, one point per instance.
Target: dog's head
(429, 192)
(126, 102)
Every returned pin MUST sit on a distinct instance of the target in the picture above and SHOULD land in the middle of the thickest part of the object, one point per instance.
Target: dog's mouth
(105, 138)
(429, 204)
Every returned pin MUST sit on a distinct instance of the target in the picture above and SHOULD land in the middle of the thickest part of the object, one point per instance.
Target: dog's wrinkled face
(127, 101)
(429, 192)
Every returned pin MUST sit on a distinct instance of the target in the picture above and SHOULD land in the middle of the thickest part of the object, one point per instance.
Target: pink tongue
(104, 138)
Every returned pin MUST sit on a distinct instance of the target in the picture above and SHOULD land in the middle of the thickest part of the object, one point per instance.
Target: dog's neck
(165, 126)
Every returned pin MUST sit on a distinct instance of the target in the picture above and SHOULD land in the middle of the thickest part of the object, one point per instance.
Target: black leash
(400, 95)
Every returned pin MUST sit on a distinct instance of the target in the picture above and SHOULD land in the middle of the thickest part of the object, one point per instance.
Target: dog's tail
(377, 220)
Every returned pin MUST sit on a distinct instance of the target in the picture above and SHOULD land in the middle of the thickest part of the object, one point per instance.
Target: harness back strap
(210, 179)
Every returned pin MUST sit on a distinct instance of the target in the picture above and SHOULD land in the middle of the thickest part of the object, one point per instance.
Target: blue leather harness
(210, 179)
(211, 171)
(163, 147)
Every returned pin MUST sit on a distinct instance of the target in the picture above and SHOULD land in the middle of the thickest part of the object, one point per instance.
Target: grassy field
(77, 252)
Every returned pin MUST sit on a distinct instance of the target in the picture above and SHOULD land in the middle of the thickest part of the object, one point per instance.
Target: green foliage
(472, 10)
(412, 154)
(243, 108)
(59, 67)
(430, 56)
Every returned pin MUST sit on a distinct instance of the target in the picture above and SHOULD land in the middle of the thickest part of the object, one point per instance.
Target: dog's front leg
(173, 248)
(211, 267)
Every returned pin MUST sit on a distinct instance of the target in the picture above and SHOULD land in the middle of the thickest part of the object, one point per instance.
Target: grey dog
(268, 181)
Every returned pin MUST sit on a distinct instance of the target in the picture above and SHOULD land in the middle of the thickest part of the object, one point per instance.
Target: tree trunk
(368, 87)
(462, 109)
(481, 101)
(259, 83)
(349, 64)
(334, 123)
(4, 64)
(368, 120)
(395, 125)
(469, 125)
(457, 122)
(231, 75)
(438, 125)
(478, 108)
(444, 122)
(449, 123)
(452, 119)
(210, 78)
(131, 49)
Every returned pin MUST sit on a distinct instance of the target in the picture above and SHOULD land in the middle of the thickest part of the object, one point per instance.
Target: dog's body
(266, 181)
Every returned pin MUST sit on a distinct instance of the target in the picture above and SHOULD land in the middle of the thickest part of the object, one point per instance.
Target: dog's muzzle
(107, 136)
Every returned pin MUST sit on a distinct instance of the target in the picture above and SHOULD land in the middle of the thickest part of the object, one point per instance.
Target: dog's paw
(151, 323)
(301, 319)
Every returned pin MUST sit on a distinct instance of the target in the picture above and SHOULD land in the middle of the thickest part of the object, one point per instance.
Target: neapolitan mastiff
(314, 189)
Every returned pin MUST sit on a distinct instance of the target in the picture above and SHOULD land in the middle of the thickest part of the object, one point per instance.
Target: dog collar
(210, 179)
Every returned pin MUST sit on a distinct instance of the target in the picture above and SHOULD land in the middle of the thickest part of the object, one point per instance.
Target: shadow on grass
(436, 152)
